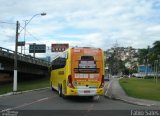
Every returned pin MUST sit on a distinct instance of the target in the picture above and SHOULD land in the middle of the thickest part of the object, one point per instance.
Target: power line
(21, 30)
(33, 36)
(7, 22)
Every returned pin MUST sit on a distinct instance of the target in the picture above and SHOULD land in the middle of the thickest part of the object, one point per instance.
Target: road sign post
(21, 43)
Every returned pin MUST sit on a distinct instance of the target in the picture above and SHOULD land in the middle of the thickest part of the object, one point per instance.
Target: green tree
(156, 47)
(149, 55)
(116, 65)
(142, 55)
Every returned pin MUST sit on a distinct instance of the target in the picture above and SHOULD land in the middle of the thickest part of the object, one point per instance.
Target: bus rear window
(88, 58)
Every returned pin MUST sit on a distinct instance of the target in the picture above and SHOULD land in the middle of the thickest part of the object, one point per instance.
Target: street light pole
(15, 59)
(156, 70)
(34, 44)
(27, 22)
(42, 14)
(15, 53)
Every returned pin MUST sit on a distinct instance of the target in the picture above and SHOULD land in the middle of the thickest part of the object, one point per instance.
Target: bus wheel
(63, 96)
(60, 91)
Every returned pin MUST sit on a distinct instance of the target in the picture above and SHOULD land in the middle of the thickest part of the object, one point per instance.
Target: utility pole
(25, 21)
(156, 70)
(146, 66)
(15, 60)
(34, 44)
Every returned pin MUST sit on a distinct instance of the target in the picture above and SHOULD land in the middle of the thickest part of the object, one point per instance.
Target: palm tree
(142, 53)
(156, 47)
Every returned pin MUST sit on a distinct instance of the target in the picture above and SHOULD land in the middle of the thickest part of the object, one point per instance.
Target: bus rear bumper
(85, 92)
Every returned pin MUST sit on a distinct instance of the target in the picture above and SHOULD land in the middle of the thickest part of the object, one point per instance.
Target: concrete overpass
(26, 64)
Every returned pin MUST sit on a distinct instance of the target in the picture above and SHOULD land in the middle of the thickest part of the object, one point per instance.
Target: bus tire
(52, 87)
(60, 90)
(63, 96)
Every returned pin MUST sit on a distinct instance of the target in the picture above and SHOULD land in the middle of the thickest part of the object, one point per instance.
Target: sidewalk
(114, 91)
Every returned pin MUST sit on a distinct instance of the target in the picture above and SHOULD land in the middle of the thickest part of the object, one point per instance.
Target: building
(144, 69)
(124, 54)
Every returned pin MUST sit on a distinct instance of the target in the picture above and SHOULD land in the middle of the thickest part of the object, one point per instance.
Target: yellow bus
(78, 72)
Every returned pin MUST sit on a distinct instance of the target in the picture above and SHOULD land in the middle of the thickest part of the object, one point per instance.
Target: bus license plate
(87, 91)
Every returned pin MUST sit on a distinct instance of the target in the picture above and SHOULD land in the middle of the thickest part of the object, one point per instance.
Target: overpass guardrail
(22, 57)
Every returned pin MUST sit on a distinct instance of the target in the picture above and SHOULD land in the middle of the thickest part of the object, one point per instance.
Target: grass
(141, 88)
(27, 85)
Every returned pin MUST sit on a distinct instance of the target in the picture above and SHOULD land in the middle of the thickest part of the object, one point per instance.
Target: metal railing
(22, 57)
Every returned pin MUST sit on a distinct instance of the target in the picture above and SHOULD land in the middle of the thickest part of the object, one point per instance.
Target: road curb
(132, 102)
(21, 92)
(129, 101)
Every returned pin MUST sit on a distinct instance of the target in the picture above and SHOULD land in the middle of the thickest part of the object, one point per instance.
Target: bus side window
(58, 63)
(65, 55)
(62, 62)
(53, 65)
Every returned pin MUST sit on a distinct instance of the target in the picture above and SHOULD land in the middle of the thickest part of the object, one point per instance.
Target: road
(47, 103)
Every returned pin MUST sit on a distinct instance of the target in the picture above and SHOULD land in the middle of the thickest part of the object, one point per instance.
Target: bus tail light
(70, 82)
(102, 82)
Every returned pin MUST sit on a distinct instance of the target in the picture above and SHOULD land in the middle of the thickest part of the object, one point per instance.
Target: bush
(125, 76)
(149, 77)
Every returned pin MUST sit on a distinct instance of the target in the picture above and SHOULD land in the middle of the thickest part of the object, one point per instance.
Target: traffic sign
(21, 43)
(59, 47)
(37, 48)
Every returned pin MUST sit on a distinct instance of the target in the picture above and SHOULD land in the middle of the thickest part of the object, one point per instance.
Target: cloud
(155, 28)
(90, 23)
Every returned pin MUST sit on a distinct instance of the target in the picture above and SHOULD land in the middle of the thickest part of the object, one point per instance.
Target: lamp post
(156, 70)
(15, 53)
(27, 22)
(42, 14)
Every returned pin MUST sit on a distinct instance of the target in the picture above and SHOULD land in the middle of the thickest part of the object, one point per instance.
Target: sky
(83, 23)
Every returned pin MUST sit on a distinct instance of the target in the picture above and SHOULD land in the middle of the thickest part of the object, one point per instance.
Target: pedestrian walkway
(115, 91)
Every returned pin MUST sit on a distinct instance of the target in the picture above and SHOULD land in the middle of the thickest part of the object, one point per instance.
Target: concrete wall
(5, 77)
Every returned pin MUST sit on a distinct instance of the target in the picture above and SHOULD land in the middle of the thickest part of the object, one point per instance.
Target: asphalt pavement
(115, 91)
(45, 102)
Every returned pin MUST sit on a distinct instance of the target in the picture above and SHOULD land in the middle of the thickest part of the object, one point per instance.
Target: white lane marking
(105, 85)
(26, 104)
(16, 93)
(96, 97)
(108, 87)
